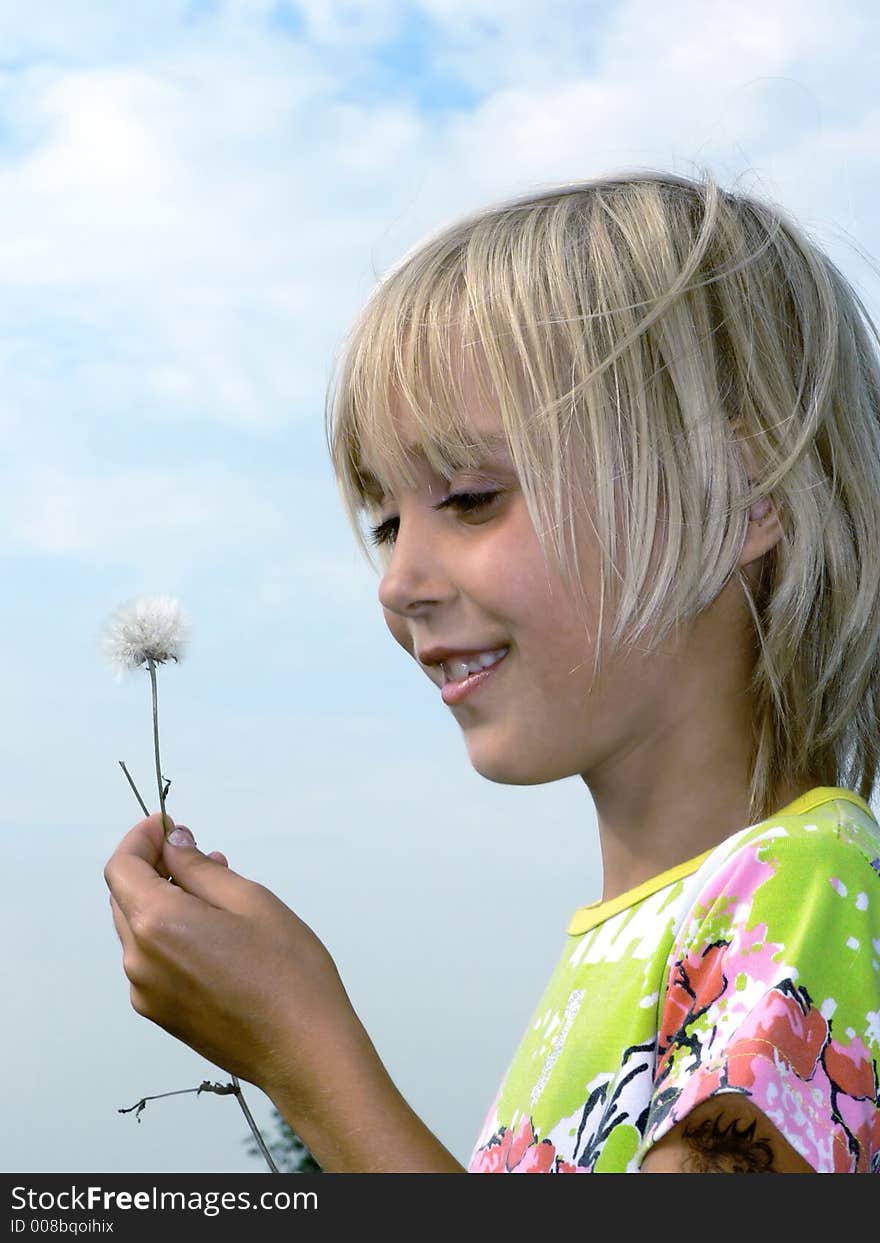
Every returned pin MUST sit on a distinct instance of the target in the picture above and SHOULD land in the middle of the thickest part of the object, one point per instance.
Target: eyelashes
(460, 502)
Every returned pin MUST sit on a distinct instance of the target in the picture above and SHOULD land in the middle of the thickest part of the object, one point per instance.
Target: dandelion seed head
(146, 628)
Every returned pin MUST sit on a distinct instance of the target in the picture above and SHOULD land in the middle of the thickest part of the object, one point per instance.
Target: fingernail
(181, 836)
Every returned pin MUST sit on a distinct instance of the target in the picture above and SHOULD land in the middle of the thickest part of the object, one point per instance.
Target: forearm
(361, 1124)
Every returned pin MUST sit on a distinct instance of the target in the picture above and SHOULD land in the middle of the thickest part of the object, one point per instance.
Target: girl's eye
(463, 502)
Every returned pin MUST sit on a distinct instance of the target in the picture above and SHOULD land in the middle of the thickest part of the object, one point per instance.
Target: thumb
(181, 836)
(204, 876)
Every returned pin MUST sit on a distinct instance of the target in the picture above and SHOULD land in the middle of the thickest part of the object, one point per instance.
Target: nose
(414, 578)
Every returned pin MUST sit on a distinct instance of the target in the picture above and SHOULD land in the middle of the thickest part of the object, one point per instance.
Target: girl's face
(473, 580)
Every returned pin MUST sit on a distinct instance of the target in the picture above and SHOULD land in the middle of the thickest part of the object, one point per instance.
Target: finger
(120, 923)
(219, 856)
(180, 908)
(132, 959)
(207, 878)
(137, 865)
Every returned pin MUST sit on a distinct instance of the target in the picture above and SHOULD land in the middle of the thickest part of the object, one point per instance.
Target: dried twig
(221, 1089)
(134, 787)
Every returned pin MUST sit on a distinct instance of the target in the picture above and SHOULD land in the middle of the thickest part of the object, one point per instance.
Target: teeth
(458, 670)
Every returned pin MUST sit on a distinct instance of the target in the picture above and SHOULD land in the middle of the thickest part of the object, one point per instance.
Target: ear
(764, 531)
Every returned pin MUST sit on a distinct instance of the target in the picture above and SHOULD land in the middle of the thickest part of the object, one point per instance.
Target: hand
(222, 964)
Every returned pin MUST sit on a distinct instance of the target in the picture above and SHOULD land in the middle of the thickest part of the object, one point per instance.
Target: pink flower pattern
(519, 1152)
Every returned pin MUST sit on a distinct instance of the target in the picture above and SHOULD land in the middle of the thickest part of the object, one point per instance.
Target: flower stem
(254, 1129)
(152, 667)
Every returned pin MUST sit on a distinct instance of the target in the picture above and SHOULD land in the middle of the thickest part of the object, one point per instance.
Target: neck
(646, 830)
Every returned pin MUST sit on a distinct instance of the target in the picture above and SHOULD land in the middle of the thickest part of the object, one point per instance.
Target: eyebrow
(373, 487)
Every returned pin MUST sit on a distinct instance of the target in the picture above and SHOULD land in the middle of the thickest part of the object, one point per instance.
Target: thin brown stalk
(134, 787)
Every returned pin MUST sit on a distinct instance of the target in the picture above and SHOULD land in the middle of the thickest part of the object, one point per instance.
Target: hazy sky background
(197, 198)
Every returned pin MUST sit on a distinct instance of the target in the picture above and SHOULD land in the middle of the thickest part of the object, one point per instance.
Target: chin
(511, 771)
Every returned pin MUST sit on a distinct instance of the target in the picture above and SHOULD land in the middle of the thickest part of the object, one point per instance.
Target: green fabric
(758, 973)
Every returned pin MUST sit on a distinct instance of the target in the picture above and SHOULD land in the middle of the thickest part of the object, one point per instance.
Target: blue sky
(197, 199)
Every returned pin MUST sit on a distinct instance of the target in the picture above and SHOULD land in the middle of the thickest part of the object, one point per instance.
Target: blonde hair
(653, 345)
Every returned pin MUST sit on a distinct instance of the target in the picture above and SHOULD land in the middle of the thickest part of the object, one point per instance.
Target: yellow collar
(587, 917)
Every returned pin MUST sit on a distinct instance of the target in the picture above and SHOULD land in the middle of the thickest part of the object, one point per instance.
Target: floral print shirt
(754, 969)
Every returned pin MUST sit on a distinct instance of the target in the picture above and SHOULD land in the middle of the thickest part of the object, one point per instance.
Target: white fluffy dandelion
(149, 628)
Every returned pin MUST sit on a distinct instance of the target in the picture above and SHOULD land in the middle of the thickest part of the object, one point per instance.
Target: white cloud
(350, 21)
(213, 211)
(196, 216)
(134, 515)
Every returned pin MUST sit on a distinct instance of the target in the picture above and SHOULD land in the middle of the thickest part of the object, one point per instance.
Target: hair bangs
(404, 364)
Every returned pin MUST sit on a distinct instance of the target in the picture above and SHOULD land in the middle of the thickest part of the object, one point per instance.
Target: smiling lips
(458, 670)
(461, 678)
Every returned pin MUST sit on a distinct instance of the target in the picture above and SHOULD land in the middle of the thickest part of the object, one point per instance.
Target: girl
(619, 446)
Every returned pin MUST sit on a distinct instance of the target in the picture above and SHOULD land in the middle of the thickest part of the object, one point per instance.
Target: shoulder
(785, 917)
(773, 995)
(836, 828)
(827, 850)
